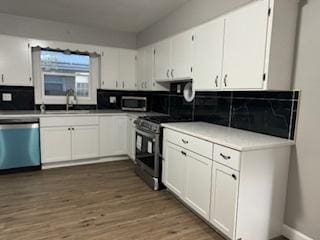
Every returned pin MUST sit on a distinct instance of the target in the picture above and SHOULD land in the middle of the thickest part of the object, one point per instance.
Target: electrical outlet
(179, 88)
(112, 99)
(6, 97)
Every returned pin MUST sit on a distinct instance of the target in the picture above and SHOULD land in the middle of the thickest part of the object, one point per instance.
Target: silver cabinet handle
(234, 176)
(225, 80)
(216, 80)
(2, 77)
(102, 83)
(172, 71)
(116, 84)
(183, 153)
(184, 141)
(225, 156)
(122, 84)
(168, 73)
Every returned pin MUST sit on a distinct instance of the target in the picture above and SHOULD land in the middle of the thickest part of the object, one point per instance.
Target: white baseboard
(293, 234)
(83, 162)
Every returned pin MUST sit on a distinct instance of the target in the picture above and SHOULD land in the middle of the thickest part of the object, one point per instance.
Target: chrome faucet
(69, 93)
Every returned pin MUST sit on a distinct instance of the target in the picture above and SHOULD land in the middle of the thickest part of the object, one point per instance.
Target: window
(63, 71)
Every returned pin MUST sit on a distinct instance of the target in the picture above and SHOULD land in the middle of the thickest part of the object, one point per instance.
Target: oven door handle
(146, 134)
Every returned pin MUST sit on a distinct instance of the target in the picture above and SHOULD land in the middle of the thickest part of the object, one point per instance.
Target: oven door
(147, 152)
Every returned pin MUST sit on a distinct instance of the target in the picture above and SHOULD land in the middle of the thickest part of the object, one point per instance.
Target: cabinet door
(225, 182)
(127, 69)
(55, 144)
(245, 47)
(120, 137)
(131, 138)
(162, 66)
(110, 68)
(182, 56)
(85, 142)
(175, 165)
(15, 61)
(113, 136)
(199, 170)
(107, 132)
(209, 55)
(141, 65)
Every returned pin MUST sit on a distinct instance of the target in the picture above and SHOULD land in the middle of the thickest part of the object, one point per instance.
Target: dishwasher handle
(19, 126)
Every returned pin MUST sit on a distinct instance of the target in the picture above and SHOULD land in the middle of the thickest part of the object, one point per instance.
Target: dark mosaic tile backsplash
(272, 112)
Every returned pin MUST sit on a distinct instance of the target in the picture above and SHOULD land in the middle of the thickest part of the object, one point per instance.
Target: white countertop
(240, 140)
(38, 114)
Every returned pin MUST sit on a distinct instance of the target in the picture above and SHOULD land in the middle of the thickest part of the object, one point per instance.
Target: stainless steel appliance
(134, 103)
(19, 145)
(149, 148)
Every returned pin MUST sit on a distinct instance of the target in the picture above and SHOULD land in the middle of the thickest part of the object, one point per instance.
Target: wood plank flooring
(102, 201)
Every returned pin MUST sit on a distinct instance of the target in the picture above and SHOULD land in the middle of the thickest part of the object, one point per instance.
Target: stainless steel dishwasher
(19, 145)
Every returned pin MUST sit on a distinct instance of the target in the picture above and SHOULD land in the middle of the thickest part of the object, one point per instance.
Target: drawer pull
(185, 141)
(183, 153)
(225, 157)
(234, 176)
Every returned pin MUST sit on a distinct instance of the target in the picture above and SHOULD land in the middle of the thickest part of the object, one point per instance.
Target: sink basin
(68, 112)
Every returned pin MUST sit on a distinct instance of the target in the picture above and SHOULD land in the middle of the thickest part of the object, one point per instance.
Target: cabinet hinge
(269, 12)
(264, 77)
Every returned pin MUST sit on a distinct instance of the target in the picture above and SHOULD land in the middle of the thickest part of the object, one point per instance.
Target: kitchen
(195, 107)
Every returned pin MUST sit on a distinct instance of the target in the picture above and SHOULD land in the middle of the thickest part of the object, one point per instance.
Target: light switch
(6, 97)
(113, 100)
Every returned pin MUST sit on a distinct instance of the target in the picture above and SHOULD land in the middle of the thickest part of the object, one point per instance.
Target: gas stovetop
(153, 123)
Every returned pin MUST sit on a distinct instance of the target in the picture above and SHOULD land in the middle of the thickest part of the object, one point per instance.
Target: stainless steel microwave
(134, 104)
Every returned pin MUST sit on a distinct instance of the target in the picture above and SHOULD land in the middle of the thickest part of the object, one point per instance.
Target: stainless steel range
(149, 148)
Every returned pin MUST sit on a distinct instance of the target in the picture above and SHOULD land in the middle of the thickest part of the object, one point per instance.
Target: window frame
(38, 76)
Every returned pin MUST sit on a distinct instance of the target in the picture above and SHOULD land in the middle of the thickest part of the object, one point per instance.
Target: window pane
(63, 71)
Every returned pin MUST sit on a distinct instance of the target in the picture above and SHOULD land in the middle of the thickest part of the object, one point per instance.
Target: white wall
(49, 30)
(303, 201)
(191, 14)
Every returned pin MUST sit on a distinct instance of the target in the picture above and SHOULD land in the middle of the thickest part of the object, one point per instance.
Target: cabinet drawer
(191, 143)
(227, 156)
(68, 121)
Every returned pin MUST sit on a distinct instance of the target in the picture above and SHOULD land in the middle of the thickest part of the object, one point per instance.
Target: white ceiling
(122, 15)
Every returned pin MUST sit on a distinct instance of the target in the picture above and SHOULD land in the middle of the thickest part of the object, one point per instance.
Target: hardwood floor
(103, 201)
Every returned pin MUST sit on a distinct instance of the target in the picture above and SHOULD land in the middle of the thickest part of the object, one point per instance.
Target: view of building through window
(63, 71)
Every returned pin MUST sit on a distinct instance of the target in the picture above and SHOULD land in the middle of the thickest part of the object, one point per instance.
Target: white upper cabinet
(209, 55)
(110, 68)
(15, 61)
(162, 67)
(247, 44)
(128, 69)
(182, 56)
(118, 69)
(245, 47)
(174, 57)
(145, 63)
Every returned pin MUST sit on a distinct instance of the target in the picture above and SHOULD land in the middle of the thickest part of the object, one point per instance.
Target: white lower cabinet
(131, 139)
(113, 136)
(55, 144)
(85, 142)
(198, 183)
(175, 163)
(59, 144)
(225, 183)
(240, 193)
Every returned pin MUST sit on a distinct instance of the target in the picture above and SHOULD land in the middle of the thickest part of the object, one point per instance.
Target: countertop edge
(223, 143)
